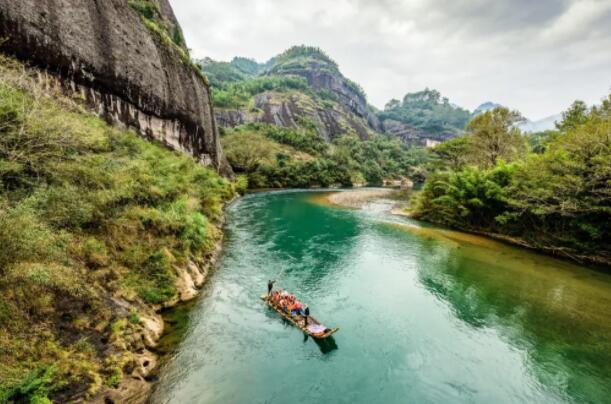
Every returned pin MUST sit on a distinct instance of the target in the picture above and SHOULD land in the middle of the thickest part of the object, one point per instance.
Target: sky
(536, 56)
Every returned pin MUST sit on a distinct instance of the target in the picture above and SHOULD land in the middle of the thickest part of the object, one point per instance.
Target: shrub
(33, 389)
(159, 271)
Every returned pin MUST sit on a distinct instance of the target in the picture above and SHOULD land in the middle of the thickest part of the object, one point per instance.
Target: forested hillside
(550, 191)
(98, 229)
(296, 121)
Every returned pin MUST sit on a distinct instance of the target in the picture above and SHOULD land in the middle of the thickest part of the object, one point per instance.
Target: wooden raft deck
(299, 321)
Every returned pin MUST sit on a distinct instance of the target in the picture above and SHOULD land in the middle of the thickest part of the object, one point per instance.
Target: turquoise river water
(426, 315)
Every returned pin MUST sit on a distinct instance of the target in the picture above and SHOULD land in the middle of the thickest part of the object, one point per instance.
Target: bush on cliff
(89, 215)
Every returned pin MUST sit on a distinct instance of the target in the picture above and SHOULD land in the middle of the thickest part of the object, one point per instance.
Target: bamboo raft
(299, 321)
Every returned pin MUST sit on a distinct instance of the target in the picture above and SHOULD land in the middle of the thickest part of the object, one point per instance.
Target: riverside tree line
(552, 190)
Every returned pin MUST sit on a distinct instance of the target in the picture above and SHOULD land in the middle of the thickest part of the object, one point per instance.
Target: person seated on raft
(276, 296)
(297, 308)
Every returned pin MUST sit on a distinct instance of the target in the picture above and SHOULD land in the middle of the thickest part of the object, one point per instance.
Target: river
(425, 315)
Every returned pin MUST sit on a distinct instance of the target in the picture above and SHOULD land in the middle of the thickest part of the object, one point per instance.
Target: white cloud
(536, 56)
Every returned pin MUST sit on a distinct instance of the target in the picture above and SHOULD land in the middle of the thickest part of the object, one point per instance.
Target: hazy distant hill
(527, 126)
(487, 106)
(541, 125)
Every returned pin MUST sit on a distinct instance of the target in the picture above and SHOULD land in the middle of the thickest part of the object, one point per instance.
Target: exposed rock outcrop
(320, 77)
(297, 109)
(412, 135)
(103, 51)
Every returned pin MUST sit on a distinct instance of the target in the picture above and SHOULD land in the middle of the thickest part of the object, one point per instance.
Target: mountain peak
(303, 55)
(486, 106)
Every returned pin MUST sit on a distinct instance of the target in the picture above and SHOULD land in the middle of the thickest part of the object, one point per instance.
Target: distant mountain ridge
(547, 123)
(541, 125)
(304, 87)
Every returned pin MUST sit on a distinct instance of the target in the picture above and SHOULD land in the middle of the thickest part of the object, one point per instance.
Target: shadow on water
(540, 305)
(326, 345)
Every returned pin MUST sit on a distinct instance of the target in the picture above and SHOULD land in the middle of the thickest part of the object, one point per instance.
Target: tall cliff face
(293, 110)
(104, 51)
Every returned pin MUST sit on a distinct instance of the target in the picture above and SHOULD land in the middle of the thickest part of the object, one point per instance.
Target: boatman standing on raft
(270, 286)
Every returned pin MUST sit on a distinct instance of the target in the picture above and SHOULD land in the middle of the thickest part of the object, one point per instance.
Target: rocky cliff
(296, 109)
(331, 102)
(122, 64)
(322, 78)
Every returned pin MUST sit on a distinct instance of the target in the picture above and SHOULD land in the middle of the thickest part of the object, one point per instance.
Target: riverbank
(136, 387)
(360, 198)
(357, 199)
(165, 329)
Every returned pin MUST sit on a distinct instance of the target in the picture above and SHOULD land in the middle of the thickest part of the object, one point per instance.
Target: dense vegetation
(89, 216)
(300, 57)
(427, 111)
(274, 157)
(220, 74)
(239, 94)
(556, 197)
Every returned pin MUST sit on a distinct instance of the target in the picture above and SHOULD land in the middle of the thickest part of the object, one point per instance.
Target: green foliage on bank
(88, 214)
(556, 197)
(427, 110)
(273, 157)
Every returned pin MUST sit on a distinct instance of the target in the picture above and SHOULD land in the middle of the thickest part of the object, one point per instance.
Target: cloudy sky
(534, 55)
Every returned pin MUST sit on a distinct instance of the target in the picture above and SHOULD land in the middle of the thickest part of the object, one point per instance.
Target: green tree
(576, 115)
(565, 193)
(453, 154)
(494, 136)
